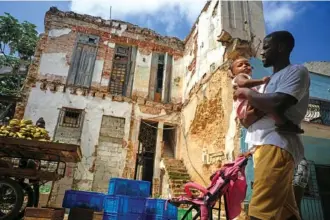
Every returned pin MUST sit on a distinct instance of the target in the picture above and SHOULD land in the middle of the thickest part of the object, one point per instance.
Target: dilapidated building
(141, 105)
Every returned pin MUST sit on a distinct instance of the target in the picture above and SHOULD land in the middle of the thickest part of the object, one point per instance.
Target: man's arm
(244, 82)
(271, 103)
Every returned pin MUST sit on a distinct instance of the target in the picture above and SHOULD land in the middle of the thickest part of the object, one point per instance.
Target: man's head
(277, 46)
(241, 65)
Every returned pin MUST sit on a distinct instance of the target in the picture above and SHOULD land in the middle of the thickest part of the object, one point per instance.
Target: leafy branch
(17, 46)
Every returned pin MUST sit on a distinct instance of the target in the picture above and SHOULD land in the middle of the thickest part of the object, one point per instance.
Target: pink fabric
(235, 191)
(235, 196)
(240, 106)
(190, 185)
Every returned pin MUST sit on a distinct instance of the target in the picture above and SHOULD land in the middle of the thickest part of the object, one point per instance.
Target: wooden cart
(26, 163)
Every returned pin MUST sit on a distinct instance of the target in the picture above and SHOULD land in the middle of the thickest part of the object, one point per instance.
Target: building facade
(139, 104)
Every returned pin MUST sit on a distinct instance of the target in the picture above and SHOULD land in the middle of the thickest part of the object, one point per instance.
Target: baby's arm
(242, 81)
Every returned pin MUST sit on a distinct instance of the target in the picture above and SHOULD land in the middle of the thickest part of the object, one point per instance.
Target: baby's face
(241, 66)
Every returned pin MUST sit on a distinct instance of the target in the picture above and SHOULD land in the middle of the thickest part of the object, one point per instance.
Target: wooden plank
(153, 75)
(98, 216)
(37, 218)
(40, 150)
(47, 213)
(30, 174)
(130, 78)
(74, 64)
(167, 80)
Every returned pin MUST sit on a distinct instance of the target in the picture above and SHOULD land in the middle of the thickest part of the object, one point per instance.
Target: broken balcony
(318, 111)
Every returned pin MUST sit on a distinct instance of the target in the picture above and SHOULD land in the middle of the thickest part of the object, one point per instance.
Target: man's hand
(266, 79)
(241, 93)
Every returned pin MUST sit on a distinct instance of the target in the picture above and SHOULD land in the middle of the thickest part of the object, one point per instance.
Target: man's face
(269, 52)
(241, 66)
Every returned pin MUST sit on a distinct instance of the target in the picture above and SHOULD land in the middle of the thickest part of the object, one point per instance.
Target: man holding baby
(276, 153)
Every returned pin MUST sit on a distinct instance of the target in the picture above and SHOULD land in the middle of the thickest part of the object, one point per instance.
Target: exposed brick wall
(132, 31)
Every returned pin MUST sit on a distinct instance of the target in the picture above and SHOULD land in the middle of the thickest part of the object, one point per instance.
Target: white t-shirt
(293, 80)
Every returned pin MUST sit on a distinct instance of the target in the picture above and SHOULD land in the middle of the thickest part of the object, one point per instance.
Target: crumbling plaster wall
(203, 52)
(205, 120)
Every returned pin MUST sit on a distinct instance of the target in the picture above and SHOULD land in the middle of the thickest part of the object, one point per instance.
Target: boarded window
(83, 61)
(122, 70)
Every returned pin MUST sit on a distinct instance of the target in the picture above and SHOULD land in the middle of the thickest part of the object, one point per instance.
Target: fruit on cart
(24, 129)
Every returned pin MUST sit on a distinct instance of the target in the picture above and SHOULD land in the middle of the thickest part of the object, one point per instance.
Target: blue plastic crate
(159, 217)
(82, 199)
(155, 217)
(155, 207)
(124, 204)
(119, 186)
(108, 216)
(161, 208)
(172, 211)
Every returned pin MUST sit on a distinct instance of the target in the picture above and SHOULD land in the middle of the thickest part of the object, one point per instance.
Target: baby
(242, 71)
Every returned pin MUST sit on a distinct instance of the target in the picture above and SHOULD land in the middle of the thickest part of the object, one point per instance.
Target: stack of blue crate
(82, 199)
(126, 199)
(159, 209)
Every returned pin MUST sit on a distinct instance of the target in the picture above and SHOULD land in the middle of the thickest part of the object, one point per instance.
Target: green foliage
(10, 85)
(9, 61)
(21, 38)
(17, 46)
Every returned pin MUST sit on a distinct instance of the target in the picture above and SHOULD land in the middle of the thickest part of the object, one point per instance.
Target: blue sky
(307, 21)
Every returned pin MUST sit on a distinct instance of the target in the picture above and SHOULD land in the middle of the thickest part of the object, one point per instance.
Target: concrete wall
(320, 67)
(244, 20)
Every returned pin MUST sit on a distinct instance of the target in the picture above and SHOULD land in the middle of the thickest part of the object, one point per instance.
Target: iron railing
(72, 118)
(318, 111)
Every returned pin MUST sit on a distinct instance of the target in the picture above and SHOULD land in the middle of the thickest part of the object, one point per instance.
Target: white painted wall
(59, 32)
(209, 51)
(54, 63)
(46, 104)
